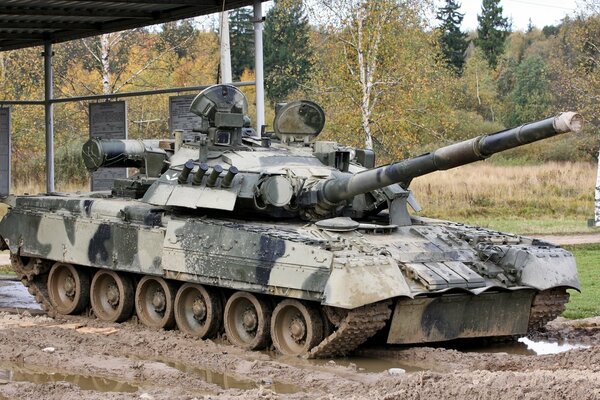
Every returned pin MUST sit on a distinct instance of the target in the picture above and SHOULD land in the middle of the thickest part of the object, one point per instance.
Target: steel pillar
(258, 66)
(49, 115)
(225, 48)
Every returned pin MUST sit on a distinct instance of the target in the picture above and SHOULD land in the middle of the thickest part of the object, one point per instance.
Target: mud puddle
(523, 346)
(362, 363)
(21, 373)
(224, 381)
(13, 295)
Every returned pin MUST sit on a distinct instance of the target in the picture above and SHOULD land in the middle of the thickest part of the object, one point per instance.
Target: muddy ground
(75, 357)
(80, 358)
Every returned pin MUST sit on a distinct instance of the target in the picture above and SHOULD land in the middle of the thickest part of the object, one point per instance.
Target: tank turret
(224, 166)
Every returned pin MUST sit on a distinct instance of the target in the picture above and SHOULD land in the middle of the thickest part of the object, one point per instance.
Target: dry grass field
(548, 198)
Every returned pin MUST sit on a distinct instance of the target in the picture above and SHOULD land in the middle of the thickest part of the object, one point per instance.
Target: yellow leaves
(250, 93)
(136, 64)
(410, 90)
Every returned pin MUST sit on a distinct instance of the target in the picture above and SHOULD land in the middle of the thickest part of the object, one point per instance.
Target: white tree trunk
(364, 78)
(367, 49)
(597, 197)
(104, 58)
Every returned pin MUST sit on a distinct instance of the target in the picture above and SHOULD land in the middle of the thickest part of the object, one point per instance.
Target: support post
(258, 66)
(225, 48)
(49, 115)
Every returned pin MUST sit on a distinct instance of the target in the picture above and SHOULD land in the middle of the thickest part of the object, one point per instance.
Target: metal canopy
(27, 23)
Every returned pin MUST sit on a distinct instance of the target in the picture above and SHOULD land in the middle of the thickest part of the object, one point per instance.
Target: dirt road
(561, 240)
(79, 358)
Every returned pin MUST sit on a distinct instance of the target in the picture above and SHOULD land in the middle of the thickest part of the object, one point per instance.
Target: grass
(587, 303)
(528, 199)
(6, 269)
(533, 226)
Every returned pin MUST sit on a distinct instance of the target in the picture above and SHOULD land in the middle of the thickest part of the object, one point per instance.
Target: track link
(34, 275)
(547, 305)
(356, 327)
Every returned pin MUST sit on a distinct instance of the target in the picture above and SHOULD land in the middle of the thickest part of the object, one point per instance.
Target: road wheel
(154, 298)
(68, 288)
(112, 296)
(247, 321)
(198, 310)
(296, 327)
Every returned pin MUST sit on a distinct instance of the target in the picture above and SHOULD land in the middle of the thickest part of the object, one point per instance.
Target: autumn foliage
(378, 69)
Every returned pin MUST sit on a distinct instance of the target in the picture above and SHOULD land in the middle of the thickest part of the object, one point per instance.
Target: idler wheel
(112, 296)
(154, 298)
(198, 310)
(296, 327)
(247, 321)
(68, 288)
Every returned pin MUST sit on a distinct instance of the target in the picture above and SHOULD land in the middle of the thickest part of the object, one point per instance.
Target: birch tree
(379, 72)
(365, 24)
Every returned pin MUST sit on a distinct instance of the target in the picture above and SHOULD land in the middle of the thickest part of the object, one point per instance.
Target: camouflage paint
(441, 276)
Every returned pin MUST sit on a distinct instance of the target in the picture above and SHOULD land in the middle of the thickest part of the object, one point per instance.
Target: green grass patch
(6, 269)
(587, 303)
(545, 226)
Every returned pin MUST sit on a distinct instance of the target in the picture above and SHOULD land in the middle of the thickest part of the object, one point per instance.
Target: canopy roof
(26, 23)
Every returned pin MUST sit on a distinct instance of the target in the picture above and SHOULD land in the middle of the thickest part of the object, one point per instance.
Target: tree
(287, 49)
(531, 97)
(575, 68)
(478, 87)
(176, 35)
(381, 77)
(109, 55)
(241, 34)
(492, 30)
(550, 30)
(453, 41)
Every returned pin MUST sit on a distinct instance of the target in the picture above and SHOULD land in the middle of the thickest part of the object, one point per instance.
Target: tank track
(547, 305)
(354, 329)
(34, 276)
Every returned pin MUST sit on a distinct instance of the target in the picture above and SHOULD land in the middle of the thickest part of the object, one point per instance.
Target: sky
(541, 12)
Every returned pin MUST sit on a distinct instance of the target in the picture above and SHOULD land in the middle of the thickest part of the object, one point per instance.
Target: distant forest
(388, 76)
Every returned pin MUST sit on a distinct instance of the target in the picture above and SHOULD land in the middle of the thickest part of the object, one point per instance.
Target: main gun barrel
(454, 155)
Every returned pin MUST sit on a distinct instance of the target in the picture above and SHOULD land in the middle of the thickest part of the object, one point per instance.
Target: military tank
(283, 239)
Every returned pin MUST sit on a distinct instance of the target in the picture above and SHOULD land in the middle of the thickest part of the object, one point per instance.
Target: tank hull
(433, 281)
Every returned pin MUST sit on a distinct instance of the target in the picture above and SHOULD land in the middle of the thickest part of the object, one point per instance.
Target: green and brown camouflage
(290, 217)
